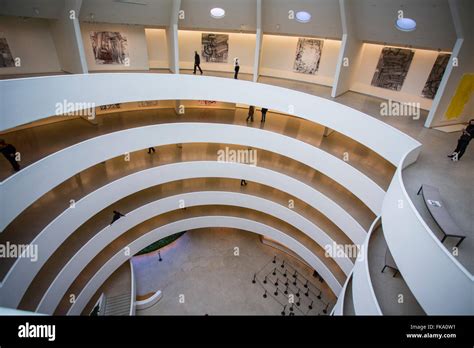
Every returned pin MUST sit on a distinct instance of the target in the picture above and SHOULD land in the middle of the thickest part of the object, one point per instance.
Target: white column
(172, 37)
(349, 53)
(463, 52)
(258, 42)
(67, 38)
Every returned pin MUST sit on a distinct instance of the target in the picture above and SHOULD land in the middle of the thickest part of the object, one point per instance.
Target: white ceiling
(240, 15)
(144, 12)
(374, 19)
(325, 17)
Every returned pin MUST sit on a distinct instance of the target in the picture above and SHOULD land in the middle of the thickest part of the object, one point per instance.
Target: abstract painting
(6, 59)
(308, 55)
(436, 74)
(215, 47)
(109, 47)
(392, 68)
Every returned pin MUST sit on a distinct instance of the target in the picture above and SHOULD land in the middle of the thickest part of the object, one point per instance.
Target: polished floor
(202, 266)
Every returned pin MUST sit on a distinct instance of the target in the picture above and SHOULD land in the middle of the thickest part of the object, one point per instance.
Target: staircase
(118, 305)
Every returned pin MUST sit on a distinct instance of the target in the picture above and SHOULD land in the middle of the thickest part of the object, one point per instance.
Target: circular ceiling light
(217, 12)
(405, 24)
(303, 16)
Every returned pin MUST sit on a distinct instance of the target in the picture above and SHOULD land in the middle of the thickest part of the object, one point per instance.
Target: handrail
(37, 179)
(44, 93)
(439, 282)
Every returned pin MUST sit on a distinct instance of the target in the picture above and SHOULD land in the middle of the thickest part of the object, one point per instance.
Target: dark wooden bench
(435, 206)
(390, 263)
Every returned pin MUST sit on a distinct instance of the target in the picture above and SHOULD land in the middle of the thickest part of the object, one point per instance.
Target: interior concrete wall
(32, 42)
(420, 68)
(157, 46)
(240, 45)
(136, 41)
(278, 56)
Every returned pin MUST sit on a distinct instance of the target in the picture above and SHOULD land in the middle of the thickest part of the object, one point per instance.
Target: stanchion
(282, 264)
(298, 293)
(325, 310)
(310, 305)
(286, 290)
(294, 282)
(274, 271)
(274, 259)
(276, 292)
(306, 293)
(276, 282)
(283, 311)
(306, 284)
(159, 256)
(265, 294)
(294, 274)
(254, 278)
(319, 296)
(265, 280)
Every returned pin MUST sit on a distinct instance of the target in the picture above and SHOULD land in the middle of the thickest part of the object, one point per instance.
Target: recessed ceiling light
(217, 12)
(405, 24)
(303, 16)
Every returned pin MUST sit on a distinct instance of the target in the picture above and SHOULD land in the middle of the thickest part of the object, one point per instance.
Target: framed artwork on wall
(392, 68)
(215, 47)
(308, 56)
(109, 47)
(436, 74)
(6, 58)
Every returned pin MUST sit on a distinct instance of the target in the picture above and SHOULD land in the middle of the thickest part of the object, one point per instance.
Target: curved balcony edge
(440, 284)
(188, 224)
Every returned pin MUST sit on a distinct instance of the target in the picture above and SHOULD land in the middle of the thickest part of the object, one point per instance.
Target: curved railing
(363, 294)
(185, 225)
(44, 93)
(23, 271)
(93, 247)
(440, 284)
(339, 306)
(26, 186)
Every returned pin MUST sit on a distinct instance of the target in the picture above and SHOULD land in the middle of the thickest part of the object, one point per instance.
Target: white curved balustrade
(93, 247)
(185, 225)
(363, 295)
(30, 99)
(26, 186)
(440, 284)
(22, 273)
(339, 306)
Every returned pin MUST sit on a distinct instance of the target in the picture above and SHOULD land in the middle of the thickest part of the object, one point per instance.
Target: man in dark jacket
(9, 151)
(463, 141)
(117, 215)
(197, 62)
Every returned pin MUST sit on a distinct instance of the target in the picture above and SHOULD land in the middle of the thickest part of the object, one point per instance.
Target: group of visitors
(252, 111)
(197, 65)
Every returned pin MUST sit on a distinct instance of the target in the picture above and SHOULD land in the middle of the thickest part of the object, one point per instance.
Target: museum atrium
(236, 157)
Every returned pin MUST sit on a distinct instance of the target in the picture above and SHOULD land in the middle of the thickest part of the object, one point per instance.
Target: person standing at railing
(463, 141)
(264, 115)
(236, 67)
(197, 62)
(251, 112)
(9, 152)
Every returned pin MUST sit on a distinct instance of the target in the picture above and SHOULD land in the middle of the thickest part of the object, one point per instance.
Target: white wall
(136, 41)
(418, 73)
(278, 57)
(32, 42)
(240, 45)
(68, 39)
(157, 45)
